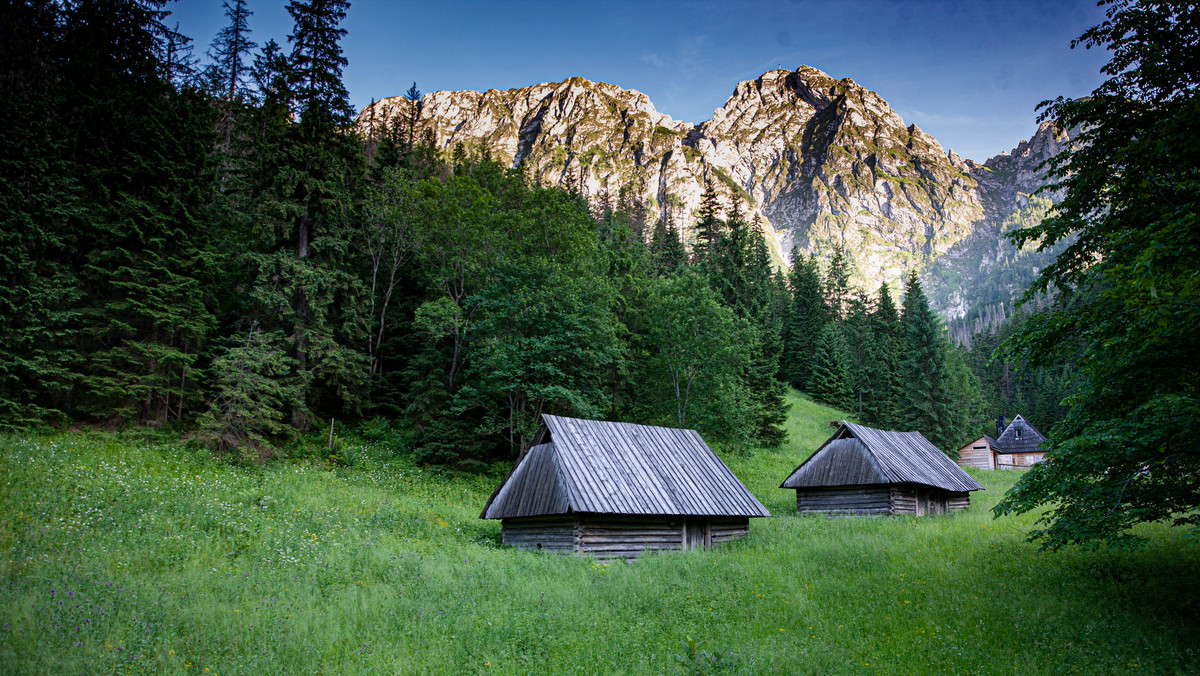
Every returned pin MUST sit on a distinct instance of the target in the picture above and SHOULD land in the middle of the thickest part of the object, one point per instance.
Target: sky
(969, 72)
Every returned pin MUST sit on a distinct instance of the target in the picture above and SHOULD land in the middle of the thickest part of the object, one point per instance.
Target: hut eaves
(895, 457)
(620, 468)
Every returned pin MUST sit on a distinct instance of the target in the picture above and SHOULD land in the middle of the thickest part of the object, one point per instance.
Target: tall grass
(119, 557)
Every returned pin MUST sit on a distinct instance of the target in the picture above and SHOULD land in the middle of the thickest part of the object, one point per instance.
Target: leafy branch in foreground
(1125, 452)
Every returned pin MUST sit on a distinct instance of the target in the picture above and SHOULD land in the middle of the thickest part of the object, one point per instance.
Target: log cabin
(612, 489)
(980, 453)
(864, 471)
(1017, 445)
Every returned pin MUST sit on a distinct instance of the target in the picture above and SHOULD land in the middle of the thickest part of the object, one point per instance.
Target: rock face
(817, 161)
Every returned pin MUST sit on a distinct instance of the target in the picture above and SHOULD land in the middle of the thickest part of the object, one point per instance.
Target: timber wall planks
(851, 500)
(881, 500)
(554, 534)
(613, 536)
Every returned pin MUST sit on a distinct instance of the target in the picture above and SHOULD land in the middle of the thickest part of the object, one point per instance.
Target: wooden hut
(1019, 445)
(980, 453)
(861, 470)
(617, 489)
(1016, 445)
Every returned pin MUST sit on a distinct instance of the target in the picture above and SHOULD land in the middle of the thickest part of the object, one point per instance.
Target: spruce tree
(837, 284)
(40, 201)
(147, 265)
(667, 255)
(862, 353)
(927, 406)
(228, 75)
(829, 381)
(884, 405)
(805, 319)
(311, 163)
(709, 226)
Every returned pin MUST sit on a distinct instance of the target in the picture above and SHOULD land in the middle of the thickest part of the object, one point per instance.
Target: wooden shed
(980, 453)
(613, 489)
(864, 471)
(1019, 445)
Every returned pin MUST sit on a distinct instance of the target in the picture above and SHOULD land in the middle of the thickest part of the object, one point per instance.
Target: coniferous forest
(207, 240)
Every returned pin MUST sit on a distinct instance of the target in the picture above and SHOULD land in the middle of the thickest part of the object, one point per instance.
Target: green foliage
(708, 227)
(252, 397)
(698, 345)
(805, 319)
(544, 341)
(928, 406)
(667, 254)
(739, 270)
(883, 390)
(829, 381)
(1124, 452)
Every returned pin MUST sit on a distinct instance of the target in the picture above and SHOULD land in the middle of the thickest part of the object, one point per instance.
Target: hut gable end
(1020, 437)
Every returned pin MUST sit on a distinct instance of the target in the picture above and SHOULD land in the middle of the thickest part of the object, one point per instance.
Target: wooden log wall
(957, 502)
(903, 500)
(728, 529)
(853, 500)
(609, 536)
(553, 533)
(978, 457)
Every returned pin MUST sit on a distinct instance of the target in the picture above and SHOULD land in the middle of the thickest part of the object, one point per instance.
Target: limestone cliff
(818, 161)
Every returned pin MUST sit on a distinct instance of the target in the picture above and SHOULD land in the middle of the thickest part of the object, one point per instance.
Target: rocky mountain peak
(818, 162)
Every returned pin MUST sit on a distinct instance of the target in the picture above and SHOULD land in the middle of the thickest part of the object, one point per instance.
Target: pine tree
(862, 353)
(708, 228)
(228, 74)
(143, 164)
(667, 255)
(927, 406)
(837, 285)
(883, 407)
(253, 395)
(311, 161)
(40, 199)
(805, 319)
(829, 381)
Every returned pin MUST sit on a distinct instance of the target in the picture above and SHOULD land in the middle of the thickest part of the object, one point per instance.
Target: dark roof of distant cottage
(856, 455)
(620, 468)
(1020, 437)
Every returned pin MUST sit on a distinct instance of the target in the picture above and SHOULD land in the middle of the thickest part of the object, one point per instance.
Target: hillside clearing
(118, 556)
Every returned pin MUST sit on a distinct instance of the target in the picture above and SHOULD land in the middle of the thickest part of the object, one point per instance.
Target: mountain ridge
(819, 162)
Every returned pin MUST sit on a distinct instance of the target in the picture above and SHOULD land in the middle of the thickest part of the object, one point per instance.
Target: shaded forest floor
(120, 556)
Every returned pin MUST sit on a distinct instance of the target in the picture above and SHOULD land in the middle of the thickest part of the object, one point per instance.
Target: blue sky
(969, 72)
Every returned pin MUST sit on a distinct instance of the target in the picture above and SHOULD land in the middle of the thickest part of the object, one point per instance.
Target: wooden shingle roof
(1020, 437)
(857, 455)
(620, 468)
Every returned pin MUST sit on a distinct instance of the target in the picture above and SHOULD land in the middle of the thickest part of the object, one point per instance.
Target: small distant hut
(613, 489)
(864, 471)
(1020, 445)
(1017, 444)
(980, 453)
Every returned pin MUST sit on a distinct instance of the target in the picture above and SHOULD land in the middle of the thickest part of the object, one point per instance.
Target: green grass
(119, 556)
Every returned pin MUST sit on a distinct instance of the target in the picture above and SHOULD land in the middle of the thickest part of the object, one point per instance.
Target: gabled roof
(1029, 441)
(990, 441)
(620, 468)
(857, 455)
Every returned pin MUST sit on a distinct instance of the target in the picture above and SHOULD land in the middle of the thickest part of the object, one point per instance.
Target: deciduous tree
(1126, 451)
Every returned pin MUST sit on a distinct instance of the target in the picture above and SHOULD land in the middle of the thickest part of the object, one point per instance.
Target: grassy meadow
(120, 555)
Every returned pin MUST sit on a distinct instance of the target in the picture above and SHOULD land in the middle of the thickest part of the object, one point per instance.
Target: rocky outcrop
(818, 161)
